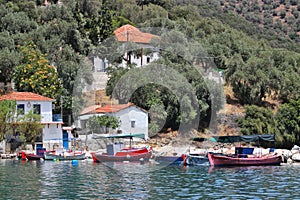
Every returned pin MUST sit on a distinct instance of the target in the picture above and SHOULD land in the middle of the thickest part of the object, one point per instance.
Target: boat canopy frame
(122, 135)
(246, 138)
(241, 138)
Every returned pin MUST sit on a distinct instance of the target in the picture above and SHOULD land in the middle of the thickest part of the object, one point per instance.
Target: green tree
(100, 24)
(30, 127)
(17, 22)
(75, 73)
(97, 123)
(7, 112)
(106, 18)
(115, 75)
(258, 120)
(288, 118)
(283, 76)
(249, 80)
(35, 74)
(9, 59)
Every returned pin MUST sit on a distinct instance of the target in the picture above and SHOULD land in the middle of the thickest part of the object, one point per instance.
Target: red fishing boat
(32, 156)
(38, 156)
(117, 152)
(243, 160)
(244, 156)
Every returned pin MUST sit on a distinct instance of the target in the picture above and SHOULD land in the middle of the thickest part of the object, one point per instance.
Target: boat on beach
(117, 152)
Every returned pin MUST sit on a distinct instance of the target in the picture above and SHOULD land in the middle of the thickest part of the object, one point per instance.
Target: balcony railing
(56, 118)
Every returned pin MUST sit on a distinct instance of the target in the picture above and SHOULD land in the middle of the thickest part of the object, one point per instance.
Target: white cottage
(129, 33)
(52, 134)
(132, 118)
(125, 34)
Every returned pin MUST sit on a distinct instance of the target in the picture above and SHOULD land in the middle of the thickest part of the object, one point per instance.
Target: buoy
(183, 156)
(74, 162)
(23, 155)
(142, 161)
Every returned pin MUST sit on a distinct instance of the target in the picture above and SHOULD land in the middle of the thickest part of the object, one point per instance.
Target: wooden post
(141, 56)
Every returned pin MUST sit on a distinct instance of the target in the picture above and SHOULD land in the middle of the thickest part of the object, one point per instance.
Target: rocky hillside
(282, 16)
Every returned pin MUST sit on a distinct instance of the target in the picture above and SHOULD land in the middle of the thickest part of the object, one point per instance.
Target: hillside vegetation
(281, 15)
(254, 43)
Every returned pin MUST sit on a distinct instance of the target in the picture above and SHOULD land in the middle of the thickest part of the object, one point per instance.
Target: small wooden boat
(64, 155)
(38, 156)
(117, 152)
(195, 159)
(170, 160)
(226, 160)
(32, 156)
(244, 156)
(128, 154)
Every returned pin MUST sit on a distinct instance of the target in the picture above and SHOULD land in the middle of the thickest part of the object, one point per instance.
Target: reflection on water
(241, 169)
(88, 180)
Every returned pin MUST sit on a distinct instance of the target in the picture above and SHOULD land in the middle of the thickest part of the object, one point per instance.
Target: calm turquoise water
(88, 180)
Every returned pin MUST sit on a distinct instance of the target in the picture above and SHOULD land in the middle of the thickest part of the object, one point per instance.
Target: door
(38, 148)
(65, 140)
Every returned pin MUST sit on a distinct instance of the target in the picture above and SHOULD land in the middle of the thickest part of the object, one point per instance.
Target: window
(132, 124)
(21, 109)
(37, 109)
(83, 124)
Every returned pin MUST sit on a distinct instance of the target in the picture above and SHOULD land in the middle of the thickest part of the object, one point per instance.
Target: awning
(123, 135)
(242, 138)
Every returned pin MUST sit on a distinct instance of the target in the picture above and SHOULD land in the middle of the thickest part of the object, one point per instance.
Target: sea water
(88, 180)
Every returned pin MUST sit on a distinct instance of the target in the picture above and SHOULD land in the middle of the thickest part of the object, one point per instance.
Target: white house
(125, 34)
(129, 33)
(132, 118)
(52, 133)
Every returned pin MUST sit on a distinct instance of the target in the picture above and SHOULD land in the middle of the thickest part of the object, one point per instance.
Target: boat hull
(49, 156)
(34, 157)
(172, 160)
(129, 156)
(196, 160)
(222, 160)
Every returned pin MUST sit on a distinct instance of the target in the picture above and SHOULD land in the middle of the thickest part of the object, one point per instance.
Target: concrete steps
(98, 97)
(95, 94)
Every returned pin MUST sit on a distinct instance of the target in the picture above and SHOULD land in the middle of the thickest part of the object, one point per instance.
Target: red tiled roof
(24, 96)
(128, 33)
(89, 109)
(105, 109)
